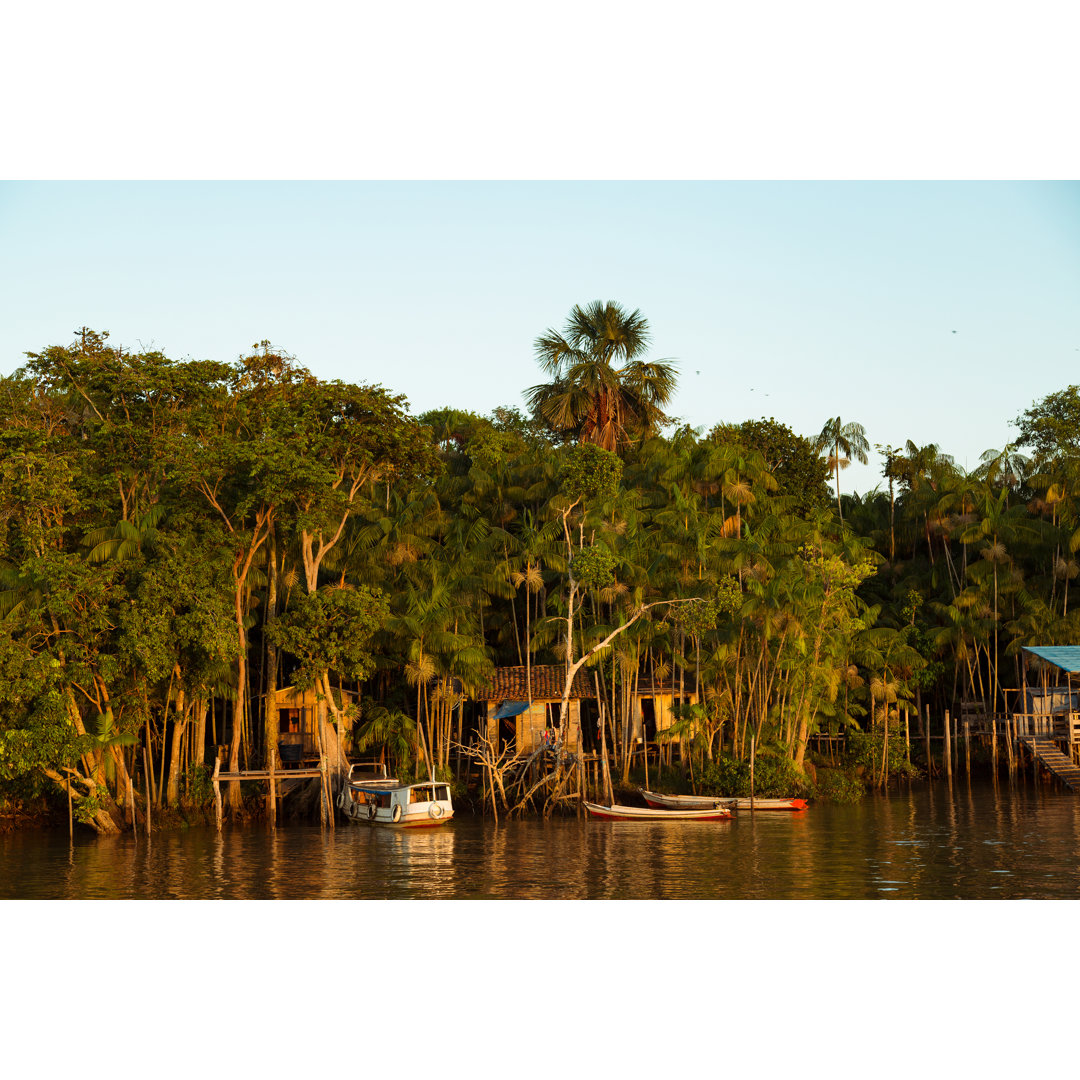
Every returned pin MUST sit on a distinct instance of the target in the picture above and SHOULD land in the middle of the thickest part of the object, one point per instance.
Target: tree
(602, 391)
(794, 461)
(845, 442)
(1051, 426)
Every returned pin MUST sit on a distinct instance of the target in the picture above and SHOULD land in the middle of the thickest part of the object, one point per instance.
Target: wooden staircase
(1054, 760)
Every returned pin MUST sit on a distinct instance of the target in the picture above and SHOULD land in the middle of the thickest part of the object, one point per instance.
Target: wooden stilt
(146, 778)
(929, 761)
(967, 746)
(272, 803)
(1009, 746)
(71, 815)
(217, 793)
(907, 737)
(131, 808)
(753, 748)
(948, 747)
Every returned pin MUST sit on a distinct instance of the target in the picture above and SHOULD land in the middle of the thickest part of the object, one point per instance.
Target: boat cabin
(389, 802)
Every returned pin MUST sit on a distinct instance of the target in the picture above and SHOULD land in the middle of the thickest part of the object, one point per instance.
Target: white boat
(387, 801)
(644, 813)
(701, 802)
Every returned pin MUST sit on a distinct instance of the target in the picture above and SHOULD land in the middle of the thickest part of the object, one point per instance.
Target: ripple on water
(982, 844)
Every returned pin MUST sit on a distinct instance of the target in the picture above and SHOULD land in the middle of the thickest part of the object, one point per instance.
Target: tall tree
(602, 390)
(844, 441)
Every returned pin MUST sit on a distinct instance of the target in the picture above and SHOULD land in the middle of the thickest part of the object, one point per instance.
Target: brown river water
(975, 842)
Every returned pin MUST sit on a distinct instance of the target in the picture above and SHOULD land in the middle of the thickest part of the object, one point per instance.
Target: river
(977, 842)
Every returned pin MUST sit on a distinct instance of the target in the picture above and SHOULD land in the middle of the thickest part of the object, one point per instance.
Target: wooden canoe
(702, 802)
(643, 813)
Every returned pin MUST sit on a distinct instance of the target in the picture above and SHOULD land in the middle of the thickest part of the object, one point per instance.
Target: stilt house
(520, 708)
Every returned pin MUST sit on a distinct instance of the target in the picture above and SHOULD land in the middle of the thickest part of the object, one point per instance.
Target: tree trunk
(271, 720)
(180, 716)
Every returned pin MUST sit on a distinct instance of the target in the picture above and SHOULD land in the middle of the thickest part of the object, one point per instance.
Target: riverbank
(823, 782)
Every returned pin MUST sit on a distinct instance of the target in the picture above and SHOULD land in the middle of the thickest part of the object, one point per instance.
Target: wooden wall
(530, 725)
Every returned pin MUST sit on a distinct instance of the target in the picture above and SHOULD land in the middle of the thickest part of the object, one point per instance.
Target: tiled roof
(548, 680)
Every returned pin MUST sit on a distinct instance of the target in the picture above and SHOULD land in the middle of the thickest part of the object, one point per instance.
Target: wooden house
(652, 706)
(651, 711)
(519, 710)
(298, 718)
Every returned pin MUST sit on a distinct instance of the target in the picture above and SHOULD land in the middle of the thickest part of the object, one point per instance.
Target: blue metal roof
(511, 708)
(1065, 657)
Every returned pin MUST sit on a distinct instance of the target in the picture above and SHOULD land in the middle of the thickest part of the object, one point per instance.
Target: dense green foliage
(177, 539)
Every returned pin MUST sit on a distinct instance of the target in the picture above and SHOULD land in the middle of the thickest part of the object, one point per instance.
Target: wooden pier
(278, 780)
(1057, 763)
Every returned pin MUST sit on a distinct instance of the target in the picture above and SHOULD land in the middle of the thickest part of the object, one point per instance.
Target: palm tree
(846, 441)
(602, 391)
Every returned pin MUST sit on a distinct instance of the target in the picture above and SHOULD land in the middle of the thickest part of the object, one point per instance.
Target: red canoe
(641, 813)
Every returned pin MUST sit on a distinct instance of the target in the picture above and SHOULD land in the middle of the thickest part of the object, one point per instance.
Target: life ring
(341, 800)
(395, 814)
(372, 810)
(435, 810)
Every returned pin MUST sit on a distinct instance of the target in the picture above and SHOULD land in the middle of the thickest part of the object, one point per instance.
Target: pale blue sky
(797, 300)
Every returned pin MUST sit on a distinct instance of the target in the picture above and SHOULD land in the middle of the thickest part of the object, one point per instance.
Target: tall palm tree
(845, 441)
(602, 390)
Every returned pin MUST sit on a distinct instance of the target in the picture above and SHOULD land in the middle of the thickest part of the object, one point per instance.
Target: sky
(930, 311)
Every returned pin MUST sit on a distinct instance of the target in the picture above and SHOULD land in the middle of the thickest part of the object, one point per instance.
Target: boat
(645, 813)
(384, 800)
(701, 802)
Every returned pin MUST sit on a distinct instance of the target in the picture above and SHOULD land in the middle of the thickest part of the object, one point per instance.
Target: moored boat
(643, 813)
(387, 801)
(700, 802)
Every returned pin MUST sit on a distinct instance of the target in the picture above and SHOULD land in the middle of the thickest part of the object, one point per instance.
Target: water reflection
(973, 841)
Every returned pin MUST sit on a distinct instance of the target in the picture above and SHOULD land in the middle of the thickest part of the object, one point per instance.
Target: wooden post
(326, 806)
(272, 807)
(1009, 744)
(131, 808)
(929, 761)
(753, 749)
(948, 747)
(967, 746)
(907, 737)
(217, 791)
(146, 778)
(71, 815)
(993, 744)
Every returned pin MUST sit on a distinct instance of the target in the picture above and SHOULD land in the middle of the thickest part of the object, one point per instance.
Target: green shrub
(865, 749)
(775, 777)
(838, 786)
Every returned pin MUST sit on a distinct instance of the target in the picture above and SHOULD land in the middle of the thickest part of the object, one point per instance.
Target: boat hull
(691, 802)
(641, 813)
(393, 805)
(359, 814)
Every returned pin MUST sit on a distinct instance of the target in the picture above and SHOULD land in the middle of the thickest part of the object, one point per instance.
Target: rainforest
(181, 540)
